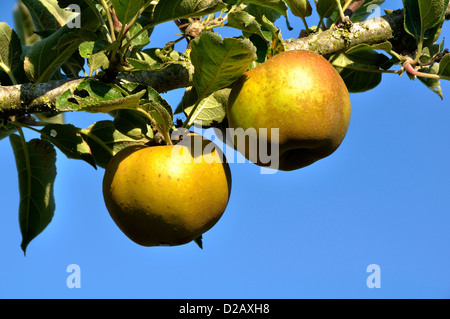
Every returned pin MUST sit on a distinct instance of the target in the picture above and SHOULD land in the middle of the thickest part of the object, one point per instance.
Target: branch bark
(32, 98)
(337, 40)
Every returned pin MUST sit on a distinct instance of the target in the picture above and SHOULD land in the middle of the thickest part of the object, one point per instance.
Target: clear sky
(382, 198)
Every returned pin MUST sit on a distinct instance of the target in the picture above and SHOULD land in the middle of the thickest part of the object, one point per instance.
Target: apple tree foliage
(49, 65)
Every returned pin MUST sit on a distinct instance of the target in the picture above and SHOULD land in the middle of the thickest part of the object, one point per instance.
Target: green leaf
(143, 61)
(259, 12)
(300, 8)
(6, 130)
(433, 84)
(36, 166)
(93, 51)
(169, 10)
(384, 46)
(88, 48)
(276, 5)
(46, 14)
(354, 75)
(219, 62)
(444, 65)
(262, 49)
(325, 8)
(277, 44)
(47, 56)
(423, 15)
(428, 53)
(110, 137)
(126, 10)
(212, 109)
(51, 118)
(154, 96)
(98, 61)
(133, 124)
(23, 25)
(189, 98)
(95, 96)
(67, 138)
(159, 116)
(10, 51)
(142, 39)
(367, 54)
(244, 21)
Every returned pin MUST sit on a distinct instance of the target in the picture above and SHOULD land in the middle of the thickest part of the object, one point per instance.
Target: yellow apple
(169, 194)
(300, 99)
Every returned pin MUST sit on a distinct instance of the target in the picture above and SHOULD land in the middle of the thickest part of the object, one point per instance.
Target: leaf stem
(306, 25)
(419, 49)
(97, 140)
(341, 10)
(9, 72)
(189, 120)
(102, 21)
(110, 21)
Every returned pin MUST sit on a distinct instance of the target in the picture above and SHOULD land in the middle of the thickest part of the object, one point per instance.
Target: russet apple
(169, 194)
(300, 99)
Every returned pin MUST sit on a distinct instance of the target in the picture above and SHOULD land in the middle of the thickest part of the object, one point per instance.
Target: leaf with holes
(67, 138)
(95, 96)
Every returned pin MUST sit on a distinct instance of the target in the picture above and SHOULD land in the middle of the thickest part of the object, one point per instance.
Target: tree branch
(41, 97)
(336, 40)
(33, 98)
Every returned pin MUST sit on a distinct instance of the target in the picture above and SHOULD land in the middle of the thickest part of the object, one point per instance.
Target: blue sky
(381, 198)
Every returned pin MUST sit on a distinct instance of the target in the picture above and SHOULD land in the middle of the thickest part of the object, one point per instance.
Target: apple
(168, 194)
(300, 100)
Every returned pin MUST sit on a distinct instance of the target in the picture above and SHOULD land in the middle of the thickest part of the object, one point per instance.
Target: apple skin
(300, 93)
(159, 197)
